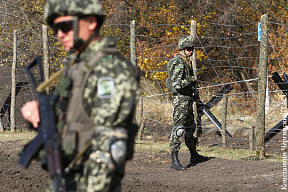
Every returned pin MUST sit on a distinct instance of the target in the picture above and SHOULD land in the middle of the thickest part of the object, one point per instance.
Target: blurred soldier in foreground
(182, 84)
(94, 101)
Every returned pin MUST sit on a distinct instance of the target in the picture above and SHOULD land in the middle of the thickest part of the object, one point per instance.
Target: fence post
(262, 83)
(197, 118)
(133, 42)
(13, 85)
(45, 53)
(140, 132)
(251, 138)
(224, 120)
(1, 127)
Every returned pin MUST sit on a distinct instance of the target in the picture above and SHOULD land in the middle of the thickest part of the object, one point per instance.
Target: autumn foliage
(226, 31)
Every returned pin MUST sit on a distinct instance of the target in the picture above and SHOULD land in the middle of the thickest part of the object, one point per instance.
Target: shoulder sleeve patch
(108, 57)
(105, 87)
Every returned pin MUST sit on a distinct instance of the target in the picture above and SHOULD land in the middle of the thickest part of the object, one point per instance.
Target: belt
(185, 94)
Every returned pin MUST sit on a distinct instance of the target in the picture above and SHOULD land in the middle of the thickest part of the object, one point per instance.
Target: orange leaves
(278, 40)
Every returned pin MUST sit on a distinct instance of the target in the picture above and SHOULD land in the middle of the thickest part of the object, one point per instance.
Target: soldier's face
(63, 27)
(189, 51)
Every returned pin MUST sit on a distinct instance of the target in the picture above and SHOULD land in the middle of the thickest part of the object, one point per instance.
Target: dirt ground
(147, 172)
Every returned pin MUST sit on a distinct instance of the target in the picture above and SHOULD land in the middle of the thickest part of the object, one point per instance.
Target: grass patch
(208, 151)
(22, 136)
(158, 147)
(152, 147)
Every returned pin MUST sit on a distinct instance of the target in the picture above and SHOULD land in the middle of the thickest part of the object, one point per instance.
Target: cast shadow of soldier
(7, 104)
(201, 160)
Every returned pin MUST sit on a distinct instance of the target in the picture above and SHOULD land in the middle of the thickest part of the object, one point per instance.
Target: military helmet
(185, 42)
(56, 8)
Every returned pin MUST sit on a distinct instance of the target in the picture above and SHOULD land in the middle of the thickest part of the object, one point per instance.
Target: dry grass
(153, 147)
(153, 104)
(22, 136)
(216, 151)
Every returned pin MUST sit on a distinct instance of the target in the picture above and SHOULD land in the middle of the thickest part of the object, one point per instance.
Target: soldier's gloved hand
(178, 88)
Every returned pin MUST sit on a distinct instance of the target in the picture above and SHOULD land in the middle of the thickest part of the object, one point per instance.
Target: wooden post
(224, 120)
(197, 118)
(45, 54)
(1, 126)
(133, 42)
(251, 138)
(13, 85)
(140, 134)
(262, 83)
(45, 51)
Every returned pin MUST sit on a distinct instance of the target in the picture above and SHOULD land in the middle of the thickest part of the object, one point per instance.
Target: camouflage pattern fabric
(56, 8)
(182, 115)
(109, 98)
(186, 42)
(182, 76)
(113, 109)
(118, 106)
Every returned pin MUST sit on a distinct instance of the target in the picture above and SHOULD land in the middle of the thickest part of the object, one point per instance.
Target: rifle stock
(47, 138)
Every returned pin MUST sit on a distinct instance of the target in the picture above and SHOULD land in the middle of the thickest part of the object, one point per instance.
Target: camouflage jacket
(109, 106)
(181, 75)
(108, 97)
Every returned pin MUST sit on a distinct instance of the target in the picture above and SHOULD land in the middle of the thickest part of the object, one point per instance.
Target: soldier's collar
(182, 56)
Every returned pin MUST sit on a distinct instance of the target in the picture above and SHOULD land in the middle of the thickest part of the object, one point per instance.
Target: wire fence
(228, 58)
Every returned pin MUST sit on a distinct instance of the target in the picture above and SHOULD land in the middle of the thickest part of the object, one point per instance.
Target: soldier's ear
(92, 22)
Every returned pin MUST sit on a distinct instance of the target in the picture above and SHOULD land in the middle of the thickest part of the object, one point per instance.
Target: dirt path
(147, 172)
(153, 174)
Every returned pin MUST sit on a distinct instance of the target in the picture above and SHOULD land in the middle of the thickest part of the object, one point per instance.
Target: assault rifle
(47, 137)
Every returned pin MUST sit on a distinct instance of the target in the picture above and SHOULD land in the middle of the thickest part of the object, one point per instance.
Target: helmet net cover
(185, 42)
(56, 8)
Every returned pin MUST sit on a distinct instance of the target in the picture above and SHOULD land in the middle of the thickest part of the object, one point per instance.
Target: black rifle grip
(28, 67)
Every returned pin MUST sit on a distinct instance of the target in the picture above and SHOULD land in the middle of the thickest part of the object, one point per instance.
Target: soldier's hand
(30, 112)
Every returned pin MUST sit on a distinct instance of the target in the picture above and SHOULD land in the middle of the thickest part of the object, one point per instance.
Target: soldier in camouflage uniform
(96, 99)
(182, 84)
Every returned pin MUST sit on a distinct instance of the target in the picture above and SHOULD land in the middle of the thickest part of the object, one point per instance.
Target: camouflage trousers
(182, 116)
(93, 178)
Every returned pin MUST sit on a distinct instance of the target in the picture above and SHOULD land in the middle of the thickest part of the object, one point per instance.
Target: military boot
(175, 162)
(195, 157)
